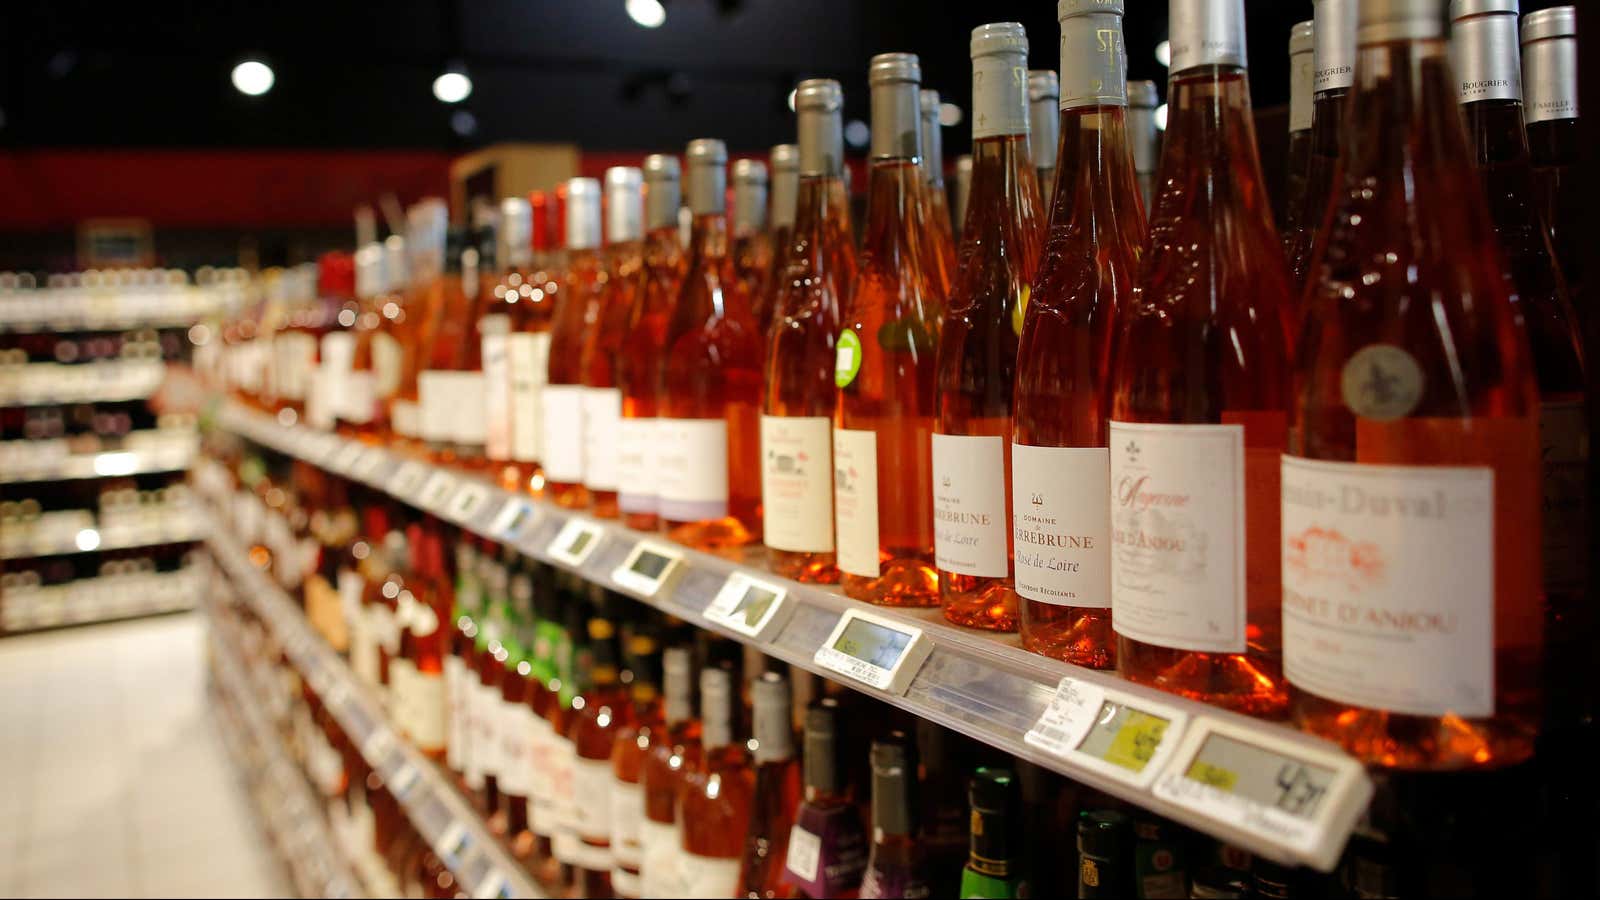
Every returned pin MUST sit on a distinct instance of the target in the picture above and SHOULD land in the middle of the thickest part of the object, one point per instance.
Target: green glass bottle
(989, 871)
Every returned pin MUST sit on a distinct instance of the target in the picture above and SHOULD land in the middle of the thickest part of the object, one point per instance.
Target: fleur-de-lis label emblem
(946, 481)
(1133, 451)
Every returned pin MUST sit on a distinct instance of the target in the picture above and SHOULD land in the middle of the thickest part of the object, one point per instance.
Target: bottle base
(713, 535)
(567, 495)
(639, 521)
(1251, 684)
(1083, 637)
(603, 504)
(986, 603)
(806, 568)
(900, 582)
(1417, 743)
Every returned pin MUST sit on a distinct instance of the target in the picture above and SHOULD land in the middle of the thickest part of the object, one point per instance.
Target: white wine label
(591, 792)
(562, 442)
(496, 396)
(1177, 535)
(427, 711)
(1388, 585)
(602, 412)
(805, 850)
(516, 734)
(438, 414)
(636, 468)
(1061, 524)
(541, 785)
(404, 417)
(855, 500)
(455, 747)
(626, 884)
(359, 403)
(1564, 439)
(466, 393)
(486, 722)
(659, 868)
(693, 459)
(627, 811)
(563, 762)
(386, 363)
(401, 673)
(709, 876)
(797, 482)
(969, 504)
(529, 356)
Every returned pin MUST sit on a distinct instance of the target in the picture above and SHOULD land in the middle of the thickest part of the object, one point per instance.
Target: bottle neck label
(1206, 33)
(821, 138)
(1550, 80)
(1334, 44)
(1300, 79)
(1484, 55)
(896, 120)
(1094, 61)
(999, 95)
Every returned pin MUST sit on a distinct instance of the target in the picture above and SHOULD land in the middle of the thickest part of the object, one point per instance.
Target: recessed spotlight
(452, 86)
(1164, 53)
(949, 115)
(856, 133)
(463, 123)
(1161, 117)
(253, 77)
(647, 13)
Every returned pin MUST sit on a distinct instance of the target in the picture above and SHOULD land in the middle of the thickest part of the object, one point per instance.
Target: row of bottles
(1175, 447)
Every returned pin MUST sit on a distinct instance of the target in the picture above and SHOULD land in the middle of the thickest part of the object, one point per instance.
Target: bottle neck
(1000, 97)
(1004, 197)
(1097, 191)
(891, 804)
(1211, 136)
(774, 737)
(676, 682)
(1485, 57)
(716, 714)
(708, 240)
(891, 239)
(1404, 109)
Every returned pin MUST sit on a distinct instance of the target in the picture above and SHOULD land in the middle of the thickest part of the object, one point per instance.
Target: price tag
(327, 446)
(404, 780)
(649, 568)
(367, 465)
(406, 479)
(436, 492)
(345, 461)
(575, 542)
(512, 519)
(494, 884)
(376, 745)
(453, 844)
(1290, 793)
(874, 650)
(1109, 731)
(467, 501)
(752, 607)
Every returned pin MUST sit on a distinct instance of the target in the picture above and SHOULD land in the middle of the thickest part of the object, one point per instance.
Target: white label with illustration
(563, 433)
(969, 507)
(855, 500)
(529, 359)
(496, 394)
(1177, 535)
(1061, 524)
(693, 459)
(1388, 585)
(797, 483)
(636, 467)
(602, 411)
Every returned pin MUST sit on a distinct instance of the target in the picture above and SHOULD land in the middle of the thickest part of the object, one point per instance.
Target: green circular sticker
(848, 361)
(1019, 311)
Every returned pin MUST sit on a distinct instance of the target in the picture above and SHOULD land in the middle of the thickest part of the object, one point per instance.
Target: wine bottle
(896, 864)
(992, 795)
(1333, 54)
(639, 362)
(708, 436)
(777, 789)
(826, 853)
(884, 369)
(963, 186)
(1144, 136)
(1044, 100)
(715, 808)
(602, 398)
(577, 315)
(411, 328)
(672, 751)
(627, 761)
(785, 163)
(751, 252)
(1550, 85)
(978, 343)
(451, 389)
(1061, 523)
(603, 709)
(1414, 397)
(1301, 77)
(506, 298)
(933, 208)
(358, 405)
(797, 412)
(1199, 388)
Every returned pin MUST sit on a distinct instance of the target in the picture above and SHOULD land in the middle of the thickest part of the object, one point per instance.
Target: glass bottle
(516, 351)
(895, 864)
(450, 388)
(671, 753)
(602, 398)
(639, 362)
(827, 848)
(460, 678)
(992, 794)
(708, 436)
(1105, 857)
(1144, 136)
(971, 482)
(549, 643)
(1413, 385)
(752, 249)
(423, 645)
(777, 790)
(604, 709)
(1061, 524)
(577, 315)
(1044, 100)
(1333, 54)
(715, 806)
(570, 864)
(884, 369)
(519, 728)
(1199, 388)
(1301, 77)
(797, 412)
(627, 760)
(412, 332)
(963, 187)
(1550, 110)
(940, 234)
(785, 163)
(1483, 50)
(488, 712)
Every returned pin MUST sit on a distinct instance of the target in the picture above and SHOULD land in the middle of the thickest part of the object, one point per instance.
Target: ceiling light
(1164, 53)
(253, 77)
(949, 115)
(1161, 117)
(856, 133)
(647, 13)
(791, 98)
(452, 86)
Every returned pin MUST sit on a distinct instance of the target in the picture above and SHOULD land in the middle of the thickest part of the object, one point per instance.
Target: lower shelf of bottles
(457, 833)
(978, 683)
(288, 805)
(104, 598)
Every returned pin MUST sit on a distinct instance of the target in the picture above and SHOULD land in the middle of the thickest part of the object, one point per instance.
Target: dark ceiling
(82, 74)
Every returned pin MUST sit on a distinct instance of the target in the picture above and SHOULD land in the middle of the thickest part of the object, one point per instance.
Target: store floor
(113, 778)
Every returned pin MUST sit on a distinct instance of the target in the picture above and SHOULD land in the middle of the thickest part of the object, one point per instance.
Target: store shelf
(290, 808)
(456, 832)
(107, 598)
(48, 310)
(105, 464)
(91, 539)
(114, 381)
(981, 684)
